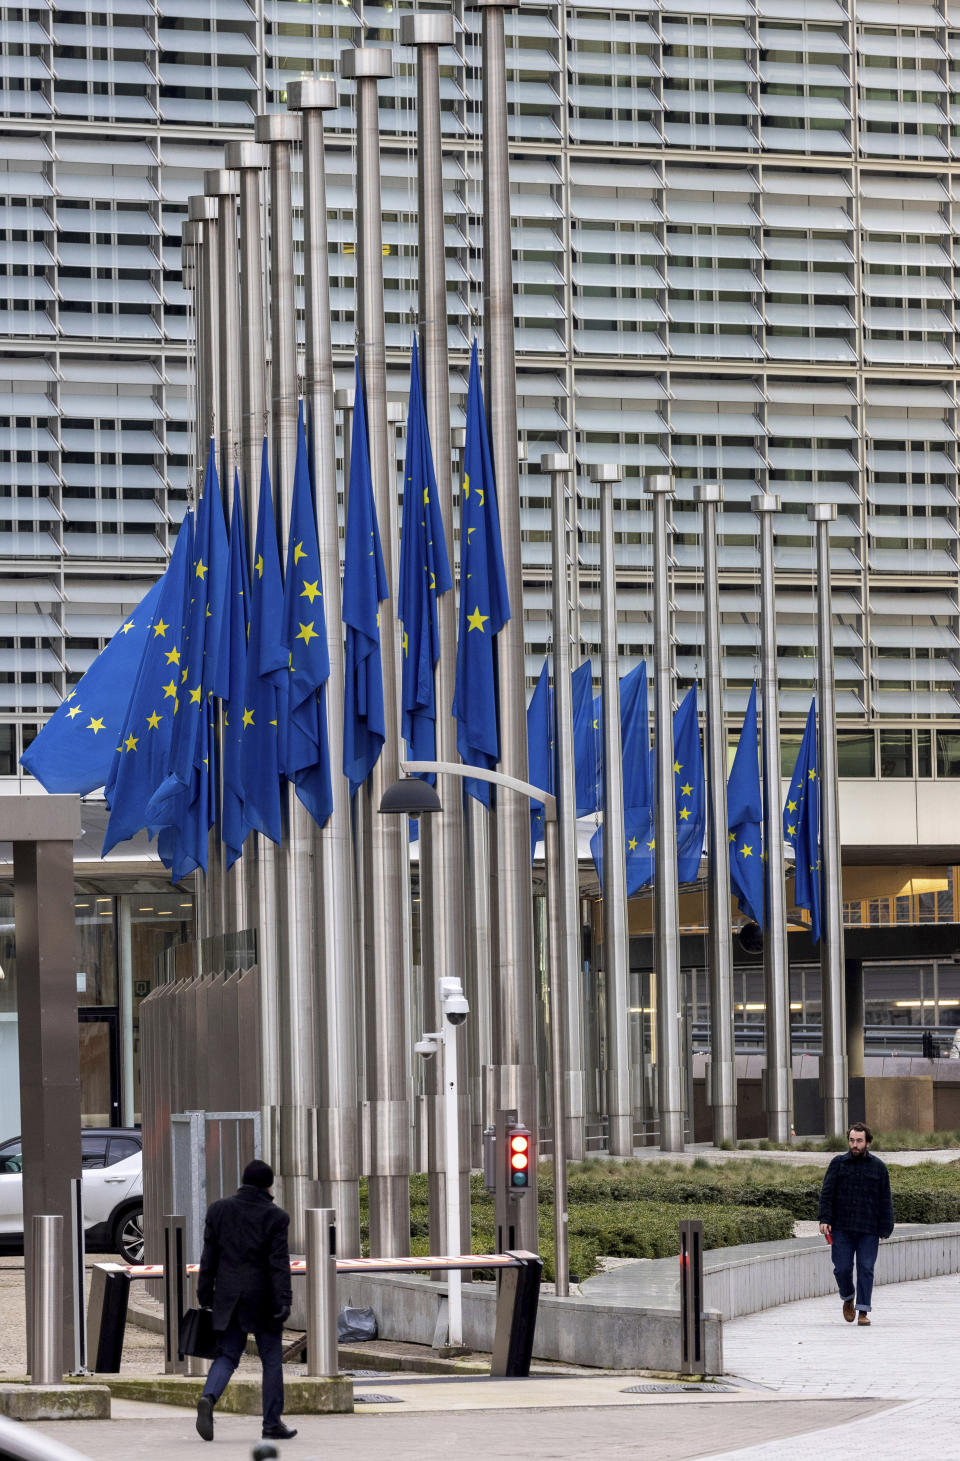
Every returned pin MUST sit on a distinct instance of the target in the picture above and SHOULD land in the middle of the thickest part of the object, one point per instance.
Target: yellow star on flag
(96, 725)
(128, 626)
(173, 656)
(259, 565)
(131, 743)
(791, 831)
(170, 691)
(195, 696)
(731, 836)
(405, 642)
(652, 843)
(686, 790)
(311, 590)
(791, 806)
(476, 620)
(247, 717)
(632, 844)
(160, 629)
(684, 814)
(746, 851)
(202, 570)
(153, 720)
(677, 768)
(812, 773)
(307, 632)
(74, 712)
(299, 552)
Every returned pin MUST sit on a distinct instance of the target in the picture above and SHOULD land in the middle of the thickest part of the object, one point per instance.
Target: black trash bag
(356, 1324)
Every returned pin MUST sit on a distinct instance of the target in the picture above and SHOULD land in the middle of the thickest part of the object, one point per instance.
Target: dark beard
(858, 1153)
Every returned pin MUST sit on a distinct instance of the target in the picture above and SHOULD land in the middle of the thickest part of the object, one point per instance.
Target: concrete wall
(575, 1331)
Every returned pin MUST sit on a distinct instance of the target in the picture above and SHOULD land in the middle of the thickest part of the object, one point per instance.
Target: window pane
(948, 753)
(896, 753)
(855, 753)
(94, 1150)
(122, 1147)
(789, 751)
(924, 754)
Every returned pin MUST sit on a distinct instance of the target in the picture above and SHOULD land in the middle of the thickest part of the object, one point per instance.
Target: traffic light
(519, 1157)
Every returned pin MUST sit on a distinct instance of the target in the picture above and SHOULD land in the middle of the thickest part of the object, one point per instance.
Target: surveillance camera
(425, 1049)
(456, 1008)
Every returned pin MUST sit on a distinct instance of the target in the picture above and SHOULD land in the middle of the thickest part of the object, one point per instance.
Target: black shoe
(205, 1417)
(279, 1432)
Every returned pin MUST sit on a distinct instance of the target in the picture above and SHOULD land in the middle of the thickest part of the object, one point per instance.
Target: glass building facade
(735, 224)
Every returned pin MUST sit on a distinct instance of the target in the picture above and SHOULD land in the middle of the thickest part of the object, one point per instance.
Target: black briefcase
(197, 1334)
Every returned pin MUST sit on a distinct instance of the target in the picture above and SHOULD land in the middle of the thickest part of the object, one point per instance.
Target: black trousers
(270, 1349)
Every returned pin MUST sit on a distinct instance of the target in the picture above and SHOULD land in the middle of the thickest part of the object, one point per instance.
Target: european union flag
(541, 750)
(801, 824)
(75, 749)
(264, 701)
(424, 574)
(306, 753)
(364, 589)
(183, 807)
(587, 741)
(143, 751)
(233, 662)
(637, 793)
(484, 601)
(744, 818)
(689, 788)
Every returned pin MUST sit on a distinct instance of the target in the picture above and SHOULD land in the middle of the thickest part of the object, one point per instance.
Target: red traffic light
(518, 1151)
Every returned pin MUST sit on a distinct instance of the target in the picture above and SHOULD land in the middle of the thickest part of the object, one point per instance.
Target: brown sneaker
(862, 1318)
(849, 1310)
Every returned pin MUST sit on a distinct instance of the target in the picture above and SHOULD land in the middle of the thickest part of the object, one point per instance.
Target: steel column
(296, 881)
(670, 1044)
(553, 858)
(778, 1076)
(338, 1132)
(249, 159)
(515, 1018)
(833, 1061)
(723, 1071)
(387, 869)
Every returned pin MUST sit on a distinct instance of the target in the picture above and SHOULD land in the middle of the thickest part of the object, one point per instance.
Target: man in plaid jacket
(856, 1211)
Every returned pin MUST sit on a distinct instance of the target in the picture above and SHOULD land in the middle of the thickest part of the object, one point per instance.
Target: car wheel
(128, 1236)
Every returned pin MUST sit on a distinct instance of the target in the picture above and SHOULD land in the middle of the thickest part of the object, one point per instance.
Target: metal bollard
(321, 1296)
(692, 1345)
(174, 1258)
(46, 1301)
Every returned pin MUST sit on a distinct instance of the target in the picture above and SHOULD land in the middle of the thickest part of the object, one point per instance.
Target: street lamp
(454, 1009)
(415, 798)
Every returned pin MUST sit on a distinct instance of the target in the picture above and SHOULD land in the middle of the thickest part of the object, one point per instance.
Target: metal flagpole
(387, 868)
(723, 1070)
(205, 212)
(441, 836)
(223, 184)
(515, 1037)
(338, 1134)
(833, 1061)
(670, 1052)
(778, 1076)
(616, 943)
(553, 857)
(565, 909)
(249, 159)
(296, 893)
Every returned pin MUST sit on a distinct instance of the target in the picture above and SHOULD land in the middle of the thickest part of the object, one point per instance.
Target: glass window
(94, 1152)
(896, 753)
(11, 1158)
(122, 1147)
(789, 751)
(856, 753)
(948, 753)
(924, 754)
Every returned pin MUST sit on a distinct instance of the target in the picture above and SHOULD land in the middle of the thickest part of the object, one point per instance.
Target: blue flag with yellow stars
(801, 824)
(143, 748)
(263, 719)
(637, 790)
(424, 574)
(233, 662)
(587, 741)
(689, 788)
(541, 750)
(75, 749)
(484, 600)
(744, 818)
(306, 752)
(364, 589)
(183, 807)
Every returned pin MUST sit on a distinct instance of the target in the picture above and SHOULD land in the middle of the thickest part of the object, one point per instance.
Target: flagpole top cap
(191, 234)
(708, 492)
(659, 486)
(498, 4)
(201, 209)
(606, 472)
(458, 436)
(277, 127)
(312, 94)
(426, 28)
(343, 399)
(765, 502)
(242, 155)
(822, 512)
(221, 182)
(555, 462)
(367, 63)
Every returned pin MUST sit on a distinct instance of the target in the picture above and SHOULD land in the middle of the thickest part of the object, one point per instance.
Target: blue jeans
(860, 1246)
(270, 1349)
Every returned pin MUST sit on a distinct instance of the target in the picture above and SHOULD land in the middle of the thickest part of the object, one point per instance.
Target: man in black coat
(245, 1279)
(856, 1211)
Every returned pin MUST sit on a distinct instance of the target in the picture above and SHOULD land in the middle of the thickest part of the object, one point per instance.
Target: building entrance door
(99, 1068)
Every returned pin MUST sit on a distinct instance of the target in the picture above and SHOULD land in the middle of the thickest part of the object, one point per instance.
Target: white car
(24, 1443)
(112, 1192)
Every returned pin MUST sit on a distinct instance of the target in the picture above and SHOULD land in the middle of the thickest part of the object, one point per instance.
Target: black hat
(258, 1174)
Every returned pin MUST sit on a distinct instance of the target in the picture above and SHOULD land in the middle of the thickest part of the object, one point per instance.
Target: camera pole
(448, 987)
